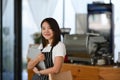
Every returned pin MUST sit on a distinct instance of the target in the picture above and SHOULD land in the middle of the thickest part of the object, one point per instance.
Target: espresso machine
(100, 23)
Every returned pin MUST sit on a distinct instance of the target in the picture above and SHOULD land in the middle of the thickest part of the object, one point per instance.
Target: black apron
(48, 63)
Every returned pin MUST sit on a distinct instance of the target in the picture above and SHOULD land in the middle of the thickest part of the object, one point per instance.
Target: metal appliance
(77, 47)
(100, 21)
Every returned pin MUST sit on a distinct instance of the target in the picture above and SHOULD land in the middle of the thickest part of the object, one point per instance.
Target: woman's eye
(43, 28)
(46, 28)
(49, 27)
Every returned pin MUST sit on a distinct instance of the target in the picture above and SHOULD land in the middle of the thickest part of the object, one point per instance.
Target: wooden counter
(85, 72)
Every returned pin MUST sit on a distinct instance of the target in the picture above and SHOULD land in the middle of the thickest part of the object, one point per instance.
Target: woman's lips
(46, 35)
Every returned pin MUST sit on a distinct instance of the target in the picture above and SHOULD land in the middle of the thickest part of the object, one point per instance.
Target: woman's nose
(47, 30)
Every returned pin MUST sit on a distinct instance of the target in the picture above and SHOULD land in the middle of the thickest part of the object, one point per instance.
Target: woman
(53, 50)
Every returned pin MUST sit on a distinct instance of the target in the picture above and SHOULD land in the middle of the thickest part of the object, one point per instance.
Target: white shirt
(58, 50)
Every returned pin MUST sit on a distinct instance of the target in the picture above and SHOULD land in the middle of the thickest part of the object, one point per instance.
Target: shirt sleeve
(59, 50)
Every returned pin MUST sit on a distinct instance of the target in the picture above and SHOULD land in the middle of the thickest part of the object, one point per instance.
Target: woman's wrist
(39, 73)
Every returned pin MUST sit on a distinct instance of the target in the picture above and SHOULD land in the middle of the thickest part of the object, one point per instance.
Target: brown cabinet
(109, 73)
(84, 72)
(80, 72)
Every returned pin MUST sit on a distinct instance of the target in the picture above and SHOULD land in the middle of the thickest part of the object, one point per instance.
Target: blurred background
(20, 20)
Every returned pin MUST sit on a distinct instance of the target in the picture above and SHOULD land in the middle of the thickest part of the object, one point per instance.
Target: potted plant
(37, 37)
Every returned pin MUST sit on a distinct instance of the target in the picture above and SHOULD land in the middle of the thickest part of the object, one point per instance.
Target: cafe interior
(89, 30)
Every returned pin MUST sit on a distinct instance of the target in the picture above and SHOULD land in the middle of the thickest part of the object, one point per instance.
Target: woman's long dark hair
(56, 31)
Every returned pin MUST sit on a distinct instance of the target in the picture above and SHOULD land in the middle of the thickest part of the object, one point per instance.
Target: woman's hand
(36, 70)
(32, 63)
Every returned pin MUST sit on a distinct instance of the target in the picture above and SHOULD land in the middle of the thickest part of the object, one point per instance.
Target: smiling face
(47, 32)
(50, 32)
